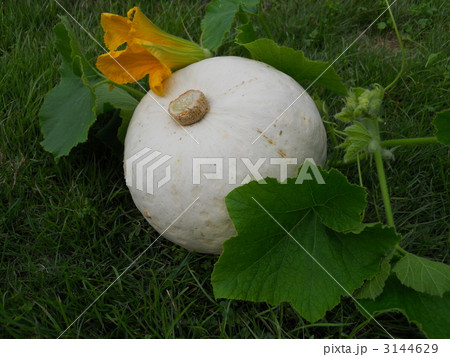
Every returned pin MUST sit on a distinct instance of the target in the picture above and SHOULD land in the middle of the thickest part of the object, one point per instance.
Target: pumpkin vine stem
(135, 93)
(400, 250)
(360, 327)
(360, 182)
(98, 84)
(384, 187)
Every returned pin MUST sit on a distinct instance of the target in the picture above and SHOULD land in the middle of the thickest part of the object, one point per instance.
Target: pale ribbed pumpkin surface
(245, 97)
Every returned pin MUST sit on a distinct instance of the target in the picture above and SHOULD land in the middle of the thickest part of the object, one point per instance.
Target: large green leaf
(291, 239)
(442, 123)
(374, 287)
(219, 17)
(423, 275)
(430, 313)
(119, 99)
(295, 64)
(68, 111)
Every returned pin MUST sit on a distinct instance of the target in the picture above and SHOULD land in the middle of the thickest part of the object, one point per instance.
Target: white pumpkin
(244, 97)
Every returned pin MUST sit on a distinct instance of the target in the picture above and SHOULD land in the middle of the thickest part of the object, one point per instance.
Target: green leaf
(126, 116)
(374, 287)
(250, 6)
(62, 42)
(430, 313)
(442, 123)
(356, 142)
(119, 99)
(246, 33)
(68, 111)
(281, 227)
(219, 17)
(423, 275)
(68, 46)
(295, 64)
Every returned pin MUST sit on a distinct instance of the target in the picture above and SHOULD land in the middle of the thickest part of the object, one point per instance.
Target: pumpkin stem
(189, 107)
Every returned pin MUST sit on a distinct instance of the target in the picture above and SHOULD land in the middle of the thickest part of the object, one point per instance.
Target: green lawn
(68, 229)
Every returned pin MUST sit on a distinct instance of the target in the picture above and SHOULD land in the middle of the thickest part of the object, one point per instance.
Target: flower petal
(142, 28)
(116, 29)
(133, 64)
(156, 79)
(175, 52)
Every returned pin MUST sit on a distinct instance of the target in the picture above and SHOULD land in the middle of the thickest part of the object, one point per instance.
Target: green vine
(384, 187)
(402, 49)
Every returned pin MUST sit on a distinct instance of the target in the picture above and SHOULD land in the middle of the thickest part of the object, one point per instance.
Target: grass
(68, 229)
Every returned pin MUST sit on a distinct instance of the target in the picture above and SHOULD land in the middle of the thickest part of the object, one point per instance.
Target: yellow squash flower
(149, 50)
